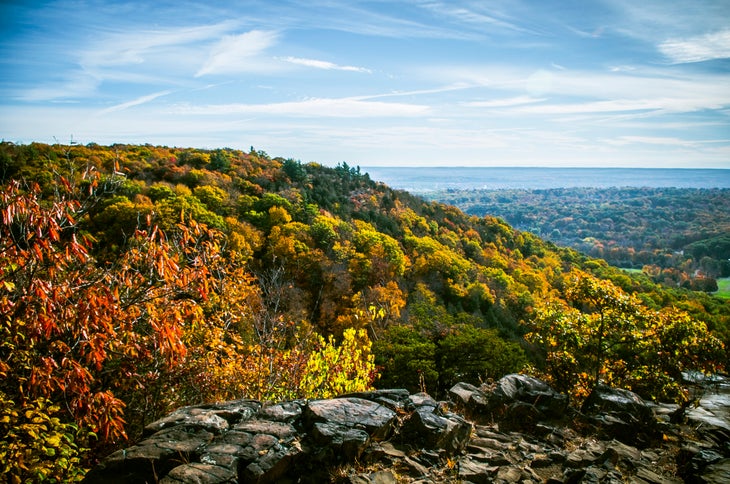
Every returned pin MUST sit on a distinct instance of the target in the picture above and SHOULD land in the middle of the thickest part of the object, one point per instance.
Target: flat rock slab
(372, 417)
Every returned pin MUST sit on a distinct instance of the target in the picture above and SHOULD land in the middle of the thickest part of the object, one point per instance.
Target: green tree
(473, 355)
(407, 359)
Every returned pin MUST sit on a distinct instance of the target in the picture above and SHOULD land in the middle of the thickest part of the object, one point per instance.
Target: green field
(723, 288)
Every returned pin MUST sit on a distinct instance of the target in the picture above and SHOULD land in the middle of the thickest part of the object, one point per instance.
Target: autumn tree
(604, 335)
(78, 340)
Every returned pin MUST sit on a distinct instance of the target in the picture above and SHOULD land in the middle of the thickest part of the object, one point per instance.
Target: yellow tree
(607, 336)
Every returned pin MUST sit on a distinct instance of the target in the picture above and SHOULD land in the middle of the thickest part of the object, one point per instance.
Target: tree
(407, 359)
(607, 336)
(474, 355)
(79, 341)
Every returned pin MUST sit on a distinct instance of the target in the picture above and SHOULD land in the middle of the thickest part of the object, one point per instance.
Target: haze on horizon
(395, 83)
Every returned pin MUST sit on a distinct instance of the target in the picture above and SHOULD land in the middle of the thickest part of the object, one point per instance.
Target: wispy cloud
(458, 86)
(474, 15)
(238, 53)
(701, 48)
(135, 102)
(136, 46)
(653, 140)
(76, 85)
(505, 102)
(320, 107)
(320, 64)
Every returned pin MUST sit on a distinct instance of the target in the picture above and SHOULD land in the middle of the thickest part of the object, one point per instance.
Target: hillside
(137, 279)
(675, 233)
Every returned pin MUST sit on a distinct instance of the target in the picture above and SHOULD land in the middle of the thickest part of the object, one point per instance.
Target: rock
(423, 400)
(579, 459)
(380, 477)
(215, 418)
(619, 454)
(389, 436)
(277, 429)
(338, 442)
(622, 415)
(193, 417)
(461, 393)
(426, 428)
(352, 412)
(272, 462)
(394, 399)
(476, 472)
(199, 474)
(157, 454)
(282, 412)
(717, 473)
(508, 474)
(648, 475)
(529, 390)
(516, 401)
(694, 461)
(415, 469)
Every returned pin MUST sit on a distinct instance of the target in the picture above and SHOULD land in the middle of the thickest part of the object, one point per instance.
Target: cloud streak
(313, 108)
(135, 102)
(238, 53)
(320, 64)
(702, 48)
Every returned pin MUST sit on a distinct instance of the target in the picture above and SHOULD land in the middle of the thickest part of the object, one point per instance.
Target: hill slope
(155, 277)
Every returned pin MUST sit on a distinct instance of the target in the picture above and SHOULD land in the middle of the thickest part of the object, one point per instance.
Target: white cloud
(697, 49)
(652, 140)
(473, 15)
(136, 46)
(319, 64)
(77, 85)
(135, 102)
(320, 107)
(419, 92)
(238, 53)
(505, 102)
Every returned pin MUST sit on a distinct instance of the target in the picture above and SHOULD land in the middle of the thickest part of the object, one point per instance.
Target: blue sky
(380, 82)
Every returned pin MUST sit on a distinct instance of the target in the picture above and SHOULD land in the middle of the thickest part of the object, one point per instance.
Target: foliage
(407, 359)
(605, 335)
(476, 355)
(135, 279)
(36, 446)
(666, 229)
(334, 369)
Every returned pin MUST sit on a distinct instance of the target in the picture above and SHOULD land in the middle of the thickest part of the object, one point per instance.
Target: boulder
(352, 413)
(429, 428)
(397, 399)
(622, 415)
(461, 393)
(523, 389)
(155, 455)
(717, 473)
(515, 401)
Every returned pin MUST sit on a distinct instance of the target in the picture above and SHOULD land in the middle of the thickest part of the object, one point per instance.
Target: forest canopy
(677, 236)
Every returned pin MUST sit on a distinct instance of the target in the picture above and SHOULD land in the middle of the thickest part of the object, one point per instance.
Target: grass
(631, 271)
(723, 288)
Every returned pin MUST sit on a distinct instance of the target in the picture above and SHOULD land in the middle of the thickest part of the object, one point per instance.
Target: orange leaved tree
(78, 340)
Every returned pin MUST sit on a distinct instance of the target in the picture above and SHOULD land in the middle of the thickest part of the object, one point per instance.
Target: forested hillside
(136, 279)
(678, 236)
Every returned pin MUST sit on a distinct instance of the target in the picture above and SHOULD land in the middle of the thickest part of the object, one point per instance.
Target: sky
(621, 83)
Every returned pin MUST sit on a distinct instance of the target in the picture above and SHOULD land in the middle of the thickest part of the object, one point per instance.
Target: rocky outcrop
(517, 430)
(517, 401)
